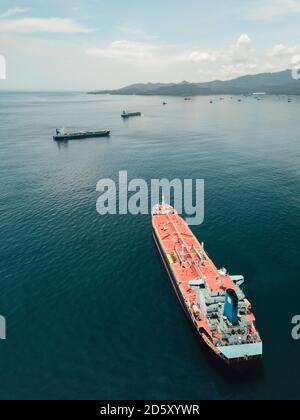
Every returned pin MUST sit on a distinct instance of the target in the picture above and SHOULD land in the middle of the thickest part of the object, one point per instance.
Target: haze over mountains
(281, 83)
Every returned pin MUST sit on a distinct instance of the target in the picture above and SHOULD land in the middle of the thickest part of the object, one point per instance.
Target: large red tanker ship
(212, 299)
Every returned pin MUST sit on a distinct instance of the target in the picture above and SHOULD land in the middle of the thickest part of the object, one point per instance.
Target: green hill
(270, 83)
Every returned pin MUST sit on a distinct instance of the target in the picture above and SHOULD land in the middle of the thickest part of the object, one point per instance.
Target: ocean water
(89, 308)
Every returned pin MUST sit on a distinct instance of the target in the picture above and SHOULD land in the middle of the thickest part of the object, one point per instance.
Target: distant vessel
(130, 114)
(62, 135)
(187, 99)
(212, 299)
(165, 103)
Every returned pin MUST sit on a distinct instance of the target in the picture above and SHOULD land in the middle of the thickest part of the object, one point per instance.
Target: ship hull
(133, 114)
(80, 136)
(240, 365)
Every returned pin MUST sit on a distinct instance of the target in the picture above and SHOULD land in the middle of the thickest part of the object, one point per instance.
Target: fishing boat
(63, 135)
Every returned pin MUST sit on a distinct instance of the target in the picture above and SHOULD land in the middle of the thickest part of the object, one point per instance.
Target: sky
(106, 44)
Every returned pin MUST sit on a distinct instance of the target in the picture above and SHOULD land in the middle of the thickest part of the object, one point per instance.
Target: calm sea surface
(90, 311)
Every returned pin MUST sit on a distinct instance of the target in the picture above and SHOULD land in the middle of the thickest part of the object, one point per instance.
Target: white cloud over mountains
(283, 51)
(237, 59)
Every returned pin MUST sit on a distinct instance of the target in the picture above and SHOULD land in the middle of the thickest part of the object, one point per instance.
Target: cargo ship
(63, 135)
(131, 114)
(212, 299)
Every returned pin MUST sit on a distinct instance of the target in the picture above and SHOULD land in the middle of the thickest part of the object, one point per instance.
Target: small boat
(187, 99)
(211, 102)
(165, 103)
(131, 114)
(63, 135)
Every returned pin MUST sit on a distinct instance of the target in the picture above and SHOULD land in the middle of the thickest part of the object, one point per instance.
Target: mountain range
(281, 83)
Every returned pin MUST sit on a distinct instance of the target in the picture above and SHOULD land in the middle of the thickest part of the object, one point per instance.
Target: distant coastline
(281, 83)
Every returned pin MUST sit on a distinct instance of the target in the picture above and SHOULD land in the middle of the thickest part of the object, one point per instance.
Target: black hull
(138, 114)
(81, 136)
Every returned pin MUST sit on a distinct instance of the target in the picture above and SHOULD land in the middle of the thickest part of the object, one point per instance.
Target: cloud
(123, 50)
(130, 30)
(201, 57)
(243, 49)
(52, 25)
(238, 59)
(271, 9)
(285, 55)
(14, 11)
(281, 50)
